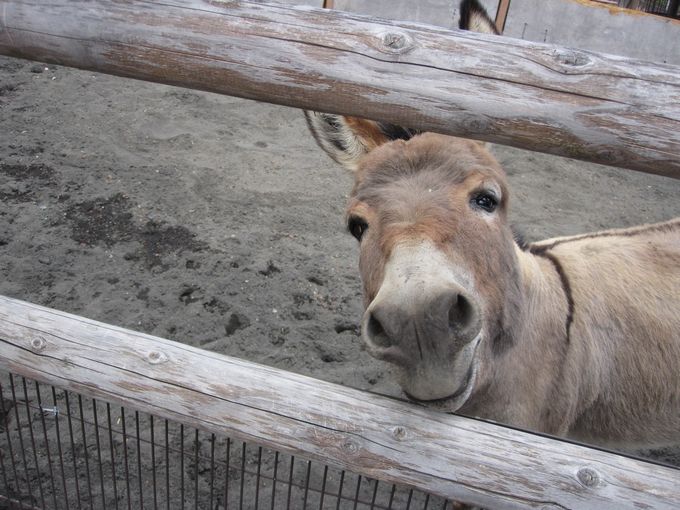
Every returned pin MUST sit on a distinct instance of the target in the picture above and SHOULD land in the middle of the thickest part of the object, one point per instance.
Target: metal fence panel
(61, 450)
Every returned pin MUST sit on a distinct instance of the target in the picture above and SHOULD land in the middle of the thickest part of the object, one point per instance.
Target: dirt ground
(217, 222)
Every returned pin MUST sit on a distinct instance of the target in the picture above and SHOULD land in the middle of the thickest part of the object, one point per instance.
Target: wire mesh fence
(62, 450)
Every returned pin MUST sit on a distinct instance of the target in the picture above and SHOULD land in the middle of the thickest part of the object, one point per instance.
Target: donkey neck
(546, 293)
(525, 372)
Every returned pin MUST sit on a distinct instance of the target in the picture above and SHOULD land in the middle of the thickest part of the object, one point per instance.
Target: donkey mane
(541, 247)
(545, 249)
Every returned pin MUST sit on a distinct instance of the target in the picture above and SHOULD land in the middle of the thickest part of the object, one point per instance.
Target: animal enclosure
(329, 501)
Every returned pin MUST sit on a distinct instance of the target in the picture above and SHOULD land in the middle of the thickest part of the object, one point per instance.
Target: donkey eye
(485, 200)
(357, 226)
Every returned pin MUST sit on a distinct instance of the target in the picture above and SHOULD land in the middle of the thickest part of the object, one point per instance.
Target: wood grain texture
(602, 108)
(452, 456)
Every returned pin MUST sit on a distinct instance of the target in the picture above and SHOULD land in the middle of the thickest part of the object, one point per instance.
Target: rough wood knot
(156, 357)
(396, 42)
(350, 447)
(588, 477)
(38, 344)
(571, 58)
(399, 433)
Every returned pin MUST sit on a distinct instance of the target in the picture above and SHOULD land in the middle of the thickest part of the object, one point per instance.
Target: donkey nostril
(461, 313)
(376, 332)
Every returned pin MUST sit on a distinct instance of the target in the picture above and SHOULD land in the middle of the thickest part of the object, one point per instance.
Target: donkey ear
(348, 139)
(474, 17)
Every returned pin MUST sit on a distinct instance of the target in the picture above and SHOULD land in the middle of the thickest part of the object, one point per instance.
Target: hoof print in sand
(236, 322)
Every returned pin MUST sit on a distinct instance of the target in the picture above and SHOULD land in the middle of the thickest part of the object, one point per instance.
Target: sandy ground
(217, 222)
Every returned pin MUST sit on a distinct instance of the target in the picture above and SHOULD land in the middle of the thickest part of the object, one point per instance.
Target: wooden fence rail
(452, 456)
(601, 108)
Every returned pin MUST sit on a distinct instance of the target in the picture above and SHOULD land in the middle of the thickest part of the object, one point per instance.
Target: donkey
(574, 336)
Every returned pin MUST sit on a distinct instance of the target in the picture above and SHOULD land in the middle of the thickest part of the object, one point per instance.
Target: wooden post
(601, 108)
(451, 456)
(502, 14)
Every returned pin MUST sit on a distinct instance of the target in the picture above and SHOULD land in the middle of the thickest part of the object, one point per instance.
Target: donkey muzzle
(426, 323)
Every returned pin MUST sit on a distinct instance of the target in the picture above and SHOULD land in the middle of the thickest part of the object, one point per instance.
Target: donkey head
(438, 260)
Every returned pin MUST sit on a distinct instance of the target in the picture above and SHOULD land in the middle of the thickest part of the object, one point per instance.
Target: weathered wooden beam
(452, 456)
(601, 108)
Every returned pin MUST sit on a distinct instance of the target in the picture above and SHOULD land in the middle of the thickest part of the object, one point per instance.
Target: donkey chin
(440, 385)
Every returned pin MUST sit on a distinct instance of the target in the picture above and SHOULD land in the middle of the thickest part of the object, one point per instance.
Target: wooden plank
(601, 108)
(452, 456)
(502, 14)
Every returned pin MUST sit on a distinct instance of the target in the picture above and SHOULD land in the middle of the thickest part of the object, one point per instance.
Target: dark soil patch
(25, 172)
(103, 220)
(158, 240)
(109, 221)
(5, 90)
(15, 195)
